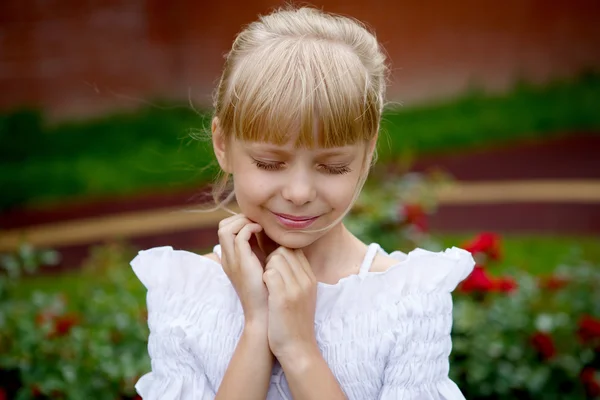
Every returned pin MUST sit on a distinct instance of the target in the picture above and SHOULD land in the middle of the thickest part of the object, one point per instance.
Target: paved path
(557, 190)
(173, 219)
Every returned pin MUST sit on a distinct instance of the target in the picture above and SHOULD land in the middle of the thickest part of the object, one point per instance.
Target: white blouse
(384, 335)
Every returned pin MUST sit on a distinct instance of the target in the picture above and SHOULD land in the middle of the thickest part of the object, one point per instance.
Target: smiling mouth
(295, 222)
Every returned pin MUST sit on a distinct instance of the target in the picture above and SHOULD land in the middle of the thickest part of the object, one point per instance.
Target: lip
(294, 221)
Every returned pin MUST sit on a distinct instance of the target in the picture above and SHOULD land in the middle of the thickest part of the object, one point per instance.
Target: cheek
(251, 188)
(339, 191)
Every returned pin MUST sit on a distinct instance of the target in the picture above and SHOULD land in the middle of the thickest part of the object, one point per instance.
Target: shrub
(92, 346)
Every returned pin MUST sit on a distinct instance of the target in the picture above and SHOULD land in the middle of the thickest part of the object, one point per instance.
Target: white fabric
(385, 335)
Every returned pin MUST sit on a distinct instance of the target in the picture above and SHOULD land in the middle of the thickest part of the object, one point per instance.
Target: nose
(299, 187)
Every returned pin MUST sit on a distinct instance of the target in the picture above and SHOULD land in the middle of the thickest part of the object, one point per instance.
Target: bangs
(312, 91)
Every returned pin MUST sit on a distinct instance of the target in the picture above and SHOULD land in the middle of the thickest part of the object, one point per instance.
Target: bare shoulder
(382, 263)
(214, 257)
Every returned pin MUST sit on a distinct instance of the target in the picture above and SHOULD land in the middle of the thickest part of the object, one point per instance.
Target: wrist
(256, 327)
(300, 358)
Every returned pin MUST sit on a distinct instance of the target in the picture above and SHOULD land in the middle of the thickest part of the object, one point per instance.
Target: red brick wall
(83, 57)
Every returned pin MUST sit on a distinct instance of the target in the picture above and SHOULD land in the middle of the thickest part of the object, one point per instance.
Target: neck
(338, 253)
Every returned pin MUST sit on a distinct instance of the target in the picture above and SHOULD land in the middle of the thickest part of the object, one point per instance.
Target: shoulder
(422, 270)
(383, 262)
(164, 267)
(213, 256)
(415, 292)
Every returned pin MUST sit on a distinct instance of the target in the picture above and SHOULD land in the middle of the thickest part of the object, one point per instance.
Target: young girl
(291, 305)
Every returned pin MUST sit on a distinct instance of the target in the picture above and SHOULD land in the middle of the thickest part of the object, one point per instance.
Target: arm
(309, 377)
(249, 371)
(292, 300)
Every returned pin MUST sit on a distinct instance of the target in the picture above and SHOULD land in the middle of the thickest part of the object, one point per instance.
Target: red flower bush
(589, 329)
(505, 284)
(61, 325)
(480, 282)
(485, 243)
(477, 281)
(544, 345)
(64, 324)
(39, 344)
(591, 382)
(553, 282)
(414, 215)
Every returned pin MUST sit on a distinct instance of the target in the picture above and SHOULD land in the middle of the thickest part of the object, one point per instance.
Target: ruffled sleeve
(176, 373)
(417, 366)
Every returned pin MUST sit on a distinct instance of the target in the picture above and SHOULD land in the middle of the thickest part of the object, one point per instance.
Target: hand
(292, 298)
(243, 266)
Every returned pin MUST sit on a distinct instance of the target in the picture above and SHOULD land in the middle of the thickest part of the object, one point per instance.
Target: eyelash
(341, 170)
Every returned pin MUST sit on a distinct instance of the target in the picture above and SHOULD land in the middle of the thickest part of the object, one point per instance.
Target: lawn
(153, 148)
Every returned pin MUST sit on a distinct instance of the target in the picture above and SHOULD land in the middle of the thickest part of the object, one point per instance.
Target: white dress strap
(368, 260)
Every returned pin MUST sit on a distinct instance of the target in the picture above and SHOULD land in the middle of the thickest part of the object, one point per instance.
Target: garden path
(551, 186)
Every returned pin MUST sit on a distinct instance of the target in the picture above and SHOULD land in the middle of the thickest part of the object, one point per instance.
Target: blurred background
(490, 142)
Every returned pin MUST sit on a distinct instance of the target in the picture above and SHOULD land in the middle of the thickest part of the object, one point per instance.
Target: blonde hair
(303, 72)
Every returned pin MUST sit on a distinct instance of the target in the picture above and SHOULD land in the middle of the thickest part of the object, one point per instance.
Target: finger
(275, 252)
(280, 264)
(242, 239)
(296, 267)
(227, 236)
(224, 222)
(305, 264)
(274, 282)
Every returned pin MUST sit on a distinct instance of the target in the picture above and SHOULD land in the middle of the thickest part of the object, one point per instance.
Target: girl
(291, 305)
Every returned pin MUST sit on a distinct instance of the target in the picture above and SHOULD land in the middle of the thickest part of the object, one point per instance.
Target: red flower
(590, 381)
(415, 215)
(486, 243)
(553, 282)
(3, 395)
(505, 284)
(44, 317)
(589, 329)
(544, 345)
(61, 324)
(477, 281)
(64, 323)
(35, 391)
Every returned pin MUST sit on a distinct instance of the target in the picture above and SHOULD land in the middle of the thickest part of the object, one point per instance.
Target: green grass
(477, 119)
(152, 149)
(537, 254)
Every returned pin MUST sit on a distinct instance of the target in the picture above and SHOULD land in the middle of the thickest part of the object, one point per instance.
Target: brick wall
(76, 58)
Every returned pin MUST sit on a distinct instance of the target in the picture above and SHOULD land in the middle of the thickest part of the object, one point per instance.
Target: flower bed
(515, 336)
(89, 347)
(527, 337)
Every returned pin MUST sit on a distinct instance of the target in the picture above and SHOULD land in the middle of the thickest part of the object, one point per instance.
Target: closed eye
(335, 169)
(276, 166)
(267, 166)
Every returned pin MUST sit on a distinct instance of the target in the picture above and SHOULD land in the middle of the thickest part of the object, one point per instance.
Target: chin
(292, 239)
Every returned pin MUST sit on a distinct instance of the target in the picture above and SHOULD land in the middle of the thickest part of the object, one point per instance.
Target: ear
(220, 145)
